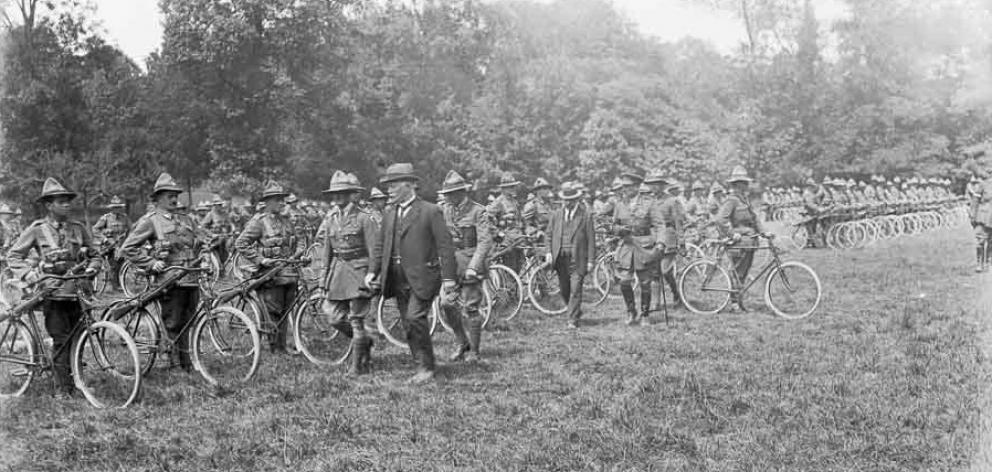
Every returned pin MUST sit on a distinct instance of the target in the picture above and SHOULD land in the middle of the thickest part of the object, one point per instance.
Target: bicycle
(792, 289)
(389, 321)
(224, 342)
(103, 357)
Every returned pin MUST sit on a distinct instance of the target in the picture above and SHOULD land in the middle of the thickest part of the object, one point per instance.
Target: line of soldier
(979, 195)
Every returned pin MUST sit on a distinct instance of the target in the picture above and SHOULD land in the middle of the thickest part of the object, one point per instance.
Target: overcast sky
(135, 25)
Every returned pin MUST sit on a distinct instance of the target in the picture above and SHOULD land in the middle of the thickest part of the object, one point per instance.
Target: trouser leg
(178, 306)
(278, 299)
(61, 318)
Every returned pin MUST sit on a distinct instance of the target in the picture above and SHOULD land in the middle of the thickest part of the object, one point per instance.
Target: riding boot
(61, 371)
(475, 337)
(628, 299)
(358, 345)
(278, 341)
(454, 318)
(980, 257)
(645, 300)
(670, 280)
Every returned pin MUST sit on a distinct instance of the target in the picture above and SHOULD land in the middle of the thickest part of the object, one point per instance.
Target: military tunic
(632, 222)
(536, 215)
(737, 215)
(112, 226)
(504, 213)
(61, 246)
(349, 238)
(668, 225)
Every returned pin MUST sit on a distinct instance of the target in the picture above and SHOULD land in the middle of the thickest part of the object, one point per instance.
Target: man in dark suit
(572, 247)
(412, 256)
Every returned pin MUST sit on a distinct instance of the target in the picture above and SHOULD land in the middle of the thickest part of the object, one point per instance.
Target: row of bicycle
(857, 229)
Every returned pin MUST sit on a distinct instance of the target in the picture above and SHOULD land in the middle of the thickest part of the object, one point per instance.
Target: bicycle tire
(541, 291)
(112, 359)
(320, 343)
(391, 327)
(144, 325)
(17, 358)
(507, 292)
(213, 351)
(133, 280)
(705, 278)
(778, 306)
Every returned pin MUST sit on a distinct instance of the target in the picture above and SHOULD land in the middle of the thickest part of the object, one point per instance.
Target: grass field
(889, 375)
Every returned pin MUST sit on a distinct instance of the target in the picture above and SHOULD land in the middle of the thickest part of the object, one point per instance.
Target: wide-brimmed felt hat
(739, 174)
(540, 183)
(699, 185)
(454, 182)
(398, 172)
(116, 202)
(617, 184)
(717, 188)
(344, 182)
(570, 191)
(630, 178)
(507, 180)
(53, 188)
(644, 188)
(5, 209)
(656, 177)
(376, 194)
(274, 189)
(203, 206)
(675, 185)
(165, 183)
(809, 182)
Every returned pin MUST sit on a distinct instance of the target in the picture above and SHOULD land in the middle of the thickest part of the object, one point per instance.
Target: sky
(135, 25)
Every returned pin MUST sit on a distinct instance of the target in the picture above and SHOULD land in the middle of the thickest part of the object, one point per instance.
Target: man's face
(509, 192)
(341, 199)
(544, 193)
(457, 197)
(739, 187)
(630, 191)
(699, 193)
(379, 204)
(167, 200)
(400, 191)
(59, 206)
(275, 204)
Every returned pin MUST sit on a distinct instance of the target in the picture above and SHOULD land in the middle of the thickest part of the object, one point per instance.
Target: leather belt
(350, 255)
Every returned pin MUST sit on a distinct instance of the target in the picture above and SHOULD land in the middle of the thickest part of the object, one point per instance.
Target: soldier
(472, 238)
(18, 221)
(571, 244)
(220, 225)
(267, 237)
(815, 203)
(668, 224)
(717, 195)
(8, 231)
(202, 210)
(176, 241)
(62, 244)
(980, 210)
(349, 238)
(109, 232)
(737, 217)
(634, 256)
(378, 201)
(695, 208)
(414, 259)
(537, 210)
(505, 214)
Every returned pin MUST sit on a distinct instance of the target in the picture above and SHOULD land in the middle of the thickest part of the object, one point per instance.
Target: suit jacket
(425, 247)
(577, 233)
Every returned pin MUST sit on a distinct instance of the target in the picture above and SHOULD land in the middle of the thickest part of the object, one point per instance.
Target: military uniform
(176, 240)
(110, 231)
(737, 216)
(668, 224)
(349, 238)
(270, 236)
(635, 254)
(980, 210)
(61, 245)
(504, 213)
(220, 224)
(471, 235)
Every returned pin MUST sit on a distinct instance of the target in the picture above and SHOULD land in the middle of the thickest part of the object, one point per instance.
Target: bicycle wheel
(507, 291)
(544, 292)
(250, 304)
(144, 326)
(101, 282)
(705, 287)
(225, 346)
(792, 290)
(133, 280)
(391, 326)
(17, 359)
(317, 255)
(106, 366)
(800, 236)
(602, 279)
(320, 343)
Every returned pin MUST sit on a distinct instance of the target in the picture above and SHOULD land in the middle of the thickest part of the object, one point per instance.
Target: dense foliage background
(244, 90)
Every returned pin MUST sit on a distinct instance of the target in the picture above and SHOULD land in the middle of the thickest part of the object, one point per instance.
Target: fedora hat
(398, 172)
(698, 185)
(630, 178)
(53, 188)
(656, 177)
(454, 182)
(165, 183)
(739, 174)
(344, 182)
(570, 191)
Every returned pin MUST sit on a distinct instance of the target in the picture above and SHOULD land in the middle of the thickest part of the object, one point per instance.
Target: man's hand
(157, 266)
(448, 285)
(267, 262)
(471, 273)
(589, 267)
(548, 259)
(369, 278)
(90, 271)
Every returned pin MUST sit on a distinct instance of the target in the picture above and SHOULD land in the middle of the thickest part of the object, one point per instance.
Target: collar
(52, 221)
(408, 202)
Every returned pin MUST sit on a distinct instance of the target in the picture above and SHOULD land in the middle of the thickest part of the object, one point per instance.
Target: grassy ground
(889, 375)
